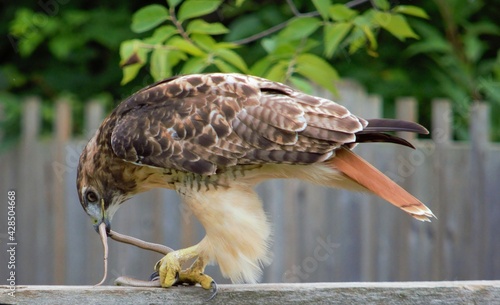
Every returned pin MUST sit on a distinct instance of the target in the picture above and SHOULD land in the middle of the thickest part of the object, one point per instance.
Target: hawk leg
(169, 268)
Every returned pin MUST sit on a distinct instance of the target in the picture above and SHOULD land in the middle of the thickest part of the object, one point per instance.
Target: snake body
(129, 281)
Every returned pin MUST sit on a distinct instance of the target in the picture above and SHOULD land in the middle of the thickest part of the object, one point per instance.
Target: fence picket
(63, 128)
(479, 137)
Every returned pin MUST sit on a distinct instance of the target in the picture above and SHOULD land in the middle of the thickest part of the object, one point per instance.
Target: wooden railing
(474, 292)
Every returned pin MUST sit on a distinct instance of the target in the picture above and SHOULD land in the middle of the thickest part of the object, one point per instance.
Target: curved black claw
(177, 282)
(154, 276)
(214, 291)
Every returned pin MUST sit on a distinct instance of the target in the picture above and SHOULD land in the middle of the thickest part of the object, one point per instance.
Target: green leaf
(340, 12)
(159, 65)
(185, 46)
(480, 28)
(62, 45)
(28, 44)
(161, 34)
(133, 58)
(433, 41)
(365, 20)
(299, 28)
(233, 58)
(310, 44)
(226, 45)
(174, 57)
(334, 34)
(261, 66)
(322, 7)
(285, 50)
(371, 36)
(428, 46)
(148, 17)
(302, 84)
(411, 10)
(356, 39)
(162, 62)
(196, 8)
(269, 44)
(130, 72)
(130, 48)
(202, 27)
(206, 42)
(395, 24)
(20, 25)
(224, 67)
(382, 4)
(474, 48)
(318, 70)
(29, 35)
(278, 72)
(173, 3)
(239, 3)
(195, 65)
(76, 17)
(244, 26)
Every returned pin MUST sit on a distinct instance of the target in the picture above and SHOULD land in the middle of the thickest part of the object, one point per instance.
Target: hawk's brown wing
(199, 123)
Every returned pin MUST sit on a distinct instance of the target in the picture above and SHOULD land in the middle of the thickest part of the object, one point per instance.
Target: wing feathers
(371, 178)
(329, 135)
(261, 128)
(201, 122)
(384, 125)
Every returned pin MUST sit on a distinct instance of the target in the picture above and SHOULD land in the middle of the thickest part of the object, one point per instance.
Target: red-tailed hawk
(212, 138)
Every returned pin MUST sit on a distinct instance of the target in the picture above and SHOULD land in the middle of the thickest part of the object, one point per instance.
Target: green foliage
(148, 17)
(456, 57)
(395, 24)
(192, 9)
(193, 45)
(55, 48)
(58, 48)
(191, 42)
(459, 58)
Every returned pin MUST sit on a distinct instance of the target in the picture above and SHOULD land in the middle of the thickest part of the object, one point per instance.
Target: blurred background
(65, 64)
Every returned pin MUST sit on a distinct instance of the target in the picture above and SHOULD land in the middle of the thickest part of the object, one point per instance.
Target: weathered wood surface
(472, 292)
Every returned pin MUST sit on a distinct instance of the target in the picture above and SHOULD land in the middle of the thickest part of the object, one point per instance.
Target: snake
(126, 280)
(154, 282)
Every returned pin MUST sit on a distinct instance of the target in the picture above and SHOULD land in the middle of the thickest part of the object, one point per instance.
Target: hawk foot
(193, 277)
(169, 269)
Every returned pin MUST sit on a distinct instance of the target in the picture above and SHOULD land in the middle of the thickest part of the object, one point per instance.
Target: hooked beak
(104, 220)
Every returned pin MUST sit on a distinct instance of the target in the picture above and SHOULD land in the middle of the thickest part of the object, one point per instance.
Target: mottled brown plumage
(202, 123)
(213, 135)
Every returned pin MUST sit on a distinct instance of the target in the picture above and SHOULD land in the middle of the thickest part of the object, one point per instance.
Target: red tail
(371, 178)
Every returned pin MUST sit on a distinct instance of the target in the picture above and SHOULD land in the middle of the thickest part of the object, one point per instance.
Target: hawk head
(100, 184)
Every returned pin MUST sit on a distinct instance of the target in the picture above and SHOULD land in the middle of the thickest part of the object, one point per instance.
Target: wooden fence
(320, 234)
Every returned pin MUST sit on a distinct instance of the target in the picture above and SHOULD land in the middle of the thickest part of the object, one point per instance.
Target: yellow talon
(169, 268)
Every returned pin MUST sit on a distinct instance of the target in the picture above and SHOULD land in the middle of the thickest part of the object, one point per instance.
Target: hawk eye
(91, 196)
